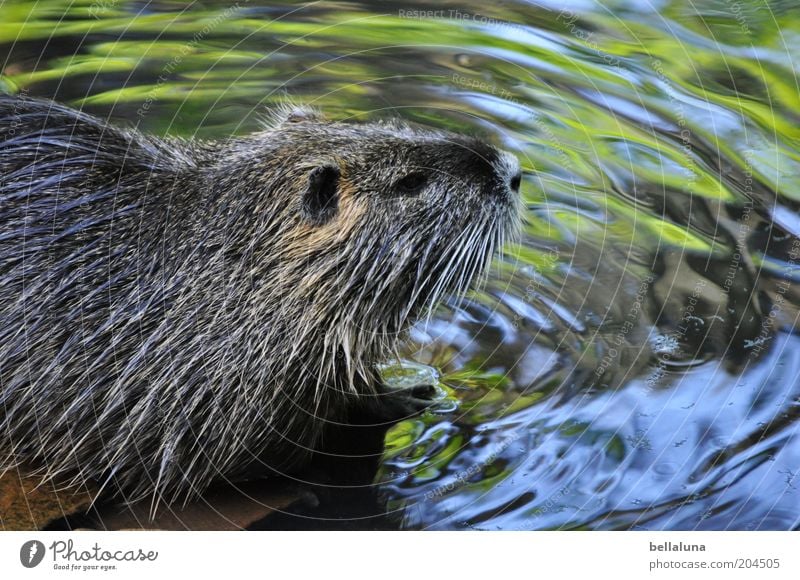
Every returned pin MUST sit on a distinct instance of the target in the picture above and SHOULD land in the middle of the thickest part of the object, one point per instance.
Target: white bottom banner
(389, 555)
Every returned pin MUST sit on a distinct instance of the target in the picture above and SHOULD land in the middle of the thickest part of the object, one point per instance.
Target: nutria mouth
(175, 313)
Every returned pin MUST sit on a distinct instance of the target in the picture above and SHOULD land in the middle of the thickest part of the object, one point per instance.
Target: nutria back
(174, 313)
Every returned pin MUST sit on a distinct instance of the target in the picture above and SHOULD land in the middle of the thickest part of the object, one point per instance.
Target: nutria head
(369, 224)
(351, 230)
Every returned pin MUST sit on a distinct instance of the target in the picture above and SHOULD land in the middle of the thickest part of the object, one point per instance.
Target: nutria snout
(175, 313)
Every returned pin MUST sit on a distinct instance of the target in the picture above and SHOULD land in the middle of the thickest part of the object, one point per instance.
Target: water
(632, 361)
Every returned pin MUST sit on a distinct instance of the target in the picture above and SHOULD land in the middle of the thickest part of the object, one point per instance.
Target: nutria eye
(411, 185)
(321, 198)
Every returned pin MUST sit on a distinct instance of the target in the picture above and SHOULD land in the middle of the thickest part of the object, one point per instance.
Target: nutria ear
(300, 114)
(321, 198)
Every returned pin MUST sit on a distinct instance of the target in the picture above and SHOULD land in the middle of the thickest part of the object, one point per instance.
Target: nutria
(178, 312)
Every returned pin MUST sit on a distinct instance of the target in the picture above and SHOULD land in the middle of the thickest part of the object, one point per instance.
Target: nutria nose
(509, 171)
